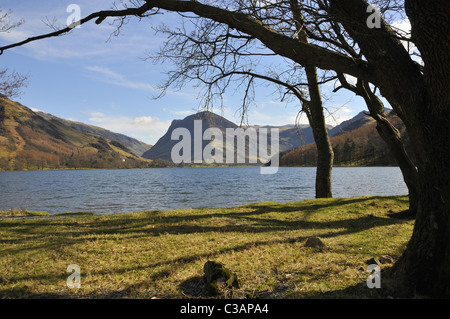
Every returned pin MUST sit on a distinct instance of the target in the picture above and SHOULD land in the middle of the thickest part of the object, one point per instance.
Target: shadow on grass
(389, 289)
(247, 222)
(129, 227)
(405, 214)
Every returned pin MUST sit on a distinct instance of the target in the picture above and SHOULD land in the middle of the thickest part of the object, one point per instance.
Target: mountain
(135, 146)
(29, 141)
(163, 147)
(362, 146)
(288, 134)
(359, 120)
(294, 137)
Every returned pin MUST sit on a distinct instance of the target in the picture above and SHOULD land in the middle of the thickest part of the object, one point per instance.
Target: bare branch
(11, 83)
(98, 16)
(6, 25)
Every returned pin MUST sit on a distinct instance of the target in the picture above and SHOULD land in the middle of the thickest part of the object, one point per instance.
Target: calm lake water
(112, 191)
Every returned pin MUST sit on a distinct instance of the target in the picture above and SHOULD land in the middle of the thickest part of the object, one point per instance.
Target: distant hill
(359, 120)
(135, 146)
(361, 146)
(289, 134)
(30, 141)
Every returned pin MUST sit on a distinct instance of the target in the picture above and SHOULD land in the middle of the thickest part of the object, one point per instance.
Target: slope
(28, 141)
(134, 145)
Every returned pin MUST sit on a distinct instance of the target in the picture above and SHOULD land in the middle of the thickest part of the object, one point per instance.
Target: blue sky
(82, 76)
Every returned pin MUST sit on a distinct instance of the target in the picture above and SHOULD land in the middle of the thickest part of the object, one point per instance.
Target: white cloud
(106, 72)
(35, 109)
(94, 116)
(108, 76)
(14, 36)
(334, 115)
(403, 27)
(346, 110)
(185, 112)
(259, 118)
(143, 120)
(351, 79)
(145, 128)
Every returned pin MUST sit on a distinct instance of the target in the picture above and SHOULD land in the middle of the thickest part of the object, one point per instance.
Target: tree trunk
(325, 153)
(316, 116)
(421, 98)
(425, 265)
(393, 139)
(391, 136)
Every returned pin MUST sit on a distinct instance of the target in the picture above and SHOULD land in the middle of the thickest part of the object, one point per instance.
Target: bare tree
(12, 82)
(419, 94)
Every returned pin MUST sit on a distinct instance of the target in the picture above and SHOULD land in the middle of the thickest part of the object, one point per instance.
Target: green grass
(161, 253)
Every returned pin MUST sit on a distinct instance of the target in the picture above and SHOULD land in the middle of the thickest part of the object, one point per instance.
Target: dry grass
(161, 253)
(21, 213)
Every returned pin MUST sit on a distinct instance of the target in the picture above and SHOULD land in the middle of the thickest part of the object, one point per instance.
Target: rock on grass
(218, 278)
(314, 242)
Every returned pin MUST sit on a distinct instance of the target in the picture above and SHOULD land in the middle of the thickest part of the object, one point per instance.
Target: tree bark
(425, 264)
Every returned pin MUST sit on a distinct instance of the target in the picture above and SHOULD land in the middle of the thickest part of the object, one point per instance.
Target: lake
(128, 190)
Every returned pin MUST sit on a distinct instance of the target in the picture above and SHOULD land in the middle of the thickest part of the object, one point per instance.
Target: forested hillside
(359, 147)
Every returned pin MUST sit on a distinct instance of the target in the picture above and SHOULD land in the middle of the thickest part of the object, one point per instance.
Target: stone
(314, 242)
(386, 259)
(218, 278)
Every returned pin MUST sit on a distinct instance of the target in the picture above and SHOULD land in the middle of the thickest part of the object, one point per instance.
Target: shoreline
(26, 214)
(190, 166)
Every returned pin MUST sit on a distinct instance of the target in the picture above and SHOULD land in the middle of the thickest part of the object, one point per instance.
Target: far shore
(176, 166)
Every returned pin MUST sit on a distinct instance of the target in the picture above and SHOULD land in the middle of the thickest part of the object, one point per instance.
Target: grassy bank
(160, 254)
